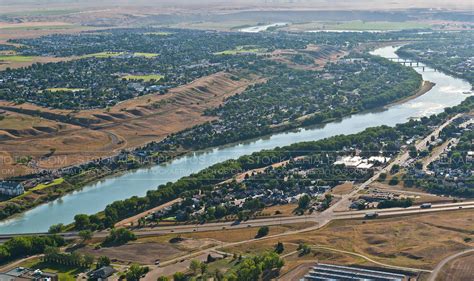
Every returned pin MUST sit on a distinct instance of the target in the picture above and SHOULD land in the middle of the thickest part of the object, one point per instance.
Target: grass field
(360, 25)
(65, 273)
(40, 187)
(15, 121)
(380, 25)
(41, 27)
(146, 55)
(43, 186)
(145, 78)
(419, 241)
(240, 50)
(459, 269)
(16, 58)
(103, 55)
(64, 89)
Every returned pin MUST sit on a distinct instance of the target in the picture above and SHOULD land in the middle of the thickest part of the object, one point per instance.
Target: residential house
(11, 188)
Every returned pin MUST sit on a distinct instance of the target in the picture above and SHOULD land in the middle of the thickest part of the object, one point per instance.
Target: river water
(447, 92)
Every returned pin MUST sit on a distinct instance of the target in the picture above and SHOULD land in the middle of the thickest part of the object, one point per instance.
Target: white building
(11, 188)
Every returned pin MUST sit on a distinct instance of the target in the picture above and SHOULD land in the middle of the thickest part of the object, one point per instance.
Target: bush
(23, 246)
(279, 248)
(119, 236)
(403, 203)
(262, 231)
(393, 181)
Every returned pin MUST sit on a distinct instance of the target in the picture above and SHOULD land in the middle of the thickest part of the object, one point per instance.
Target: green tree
(179, 276)
(393, 181)
(304, 201)
(102, 261)
(56, 228)
(203, 268)
(279, 248)
(81, 221)
(249, 270)
(85, 235)
(119, 236)
(135, 271)
(163, 278)
(262, 231)
(195, 265)
(88, 260)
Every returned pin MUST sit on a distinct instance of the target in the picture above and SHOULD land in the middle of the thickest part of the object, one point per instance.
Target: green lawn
(103, 55)
(43, 186)
(64, 89)
(146, 55)
(40, 187)
(65, 273)
(145, 78)
(240, 50)
(15, 58)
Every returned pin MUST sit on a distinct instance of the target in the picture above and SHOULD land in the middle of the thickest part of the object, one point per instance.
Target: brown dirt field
(143, 253)
(418, 195)
(419, 241)
(295, 264)
(286, 210)
(33, 30)
(282, 56)
(134, 219)
(342, 189)
(244, 233)
(129, 124)
(460, 269)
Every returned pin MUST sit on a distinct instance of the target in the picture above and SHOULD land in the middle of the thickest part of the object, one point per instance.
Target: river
(94, 197)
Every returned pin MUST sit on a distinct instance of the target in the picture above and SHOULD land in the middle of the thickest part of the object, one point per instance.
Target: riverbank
(94, 197)
(97, 173)
(424, 88)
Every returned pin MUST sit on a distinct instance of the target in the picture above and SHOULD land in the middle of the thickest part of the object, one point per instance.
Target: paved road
(441, 264)
(321, 219)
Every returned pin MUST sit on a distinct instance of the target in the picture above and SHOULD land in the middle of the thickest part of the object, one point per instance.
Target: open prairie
(459, 269)
(419, 241)
(98, 133)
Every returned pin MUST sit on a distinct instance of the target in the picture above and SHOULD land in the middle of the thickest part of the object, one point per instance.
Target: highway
(319, 219)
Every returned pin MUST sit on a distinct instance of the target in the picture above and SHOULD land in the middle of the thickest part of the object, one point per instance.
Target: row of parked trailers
(337, 272)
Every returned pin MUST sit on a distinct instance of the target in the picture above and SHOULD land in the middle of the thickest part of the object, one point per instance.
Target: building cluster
(11, 188)
(359, 162)
(323, 271)
(27, 274)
